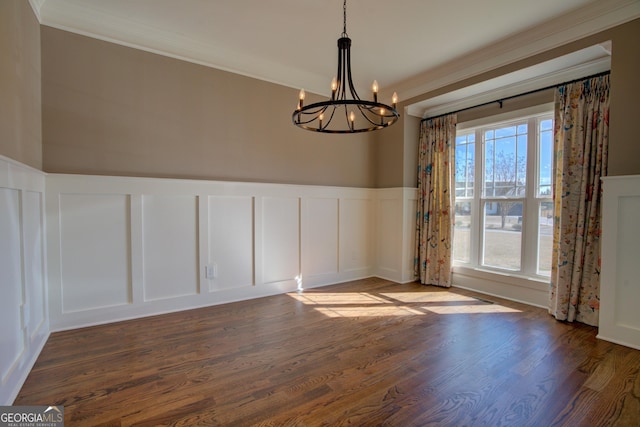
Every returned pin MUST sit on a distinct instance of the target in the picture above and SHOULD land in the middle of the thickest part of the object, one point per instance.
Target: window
(504, 219)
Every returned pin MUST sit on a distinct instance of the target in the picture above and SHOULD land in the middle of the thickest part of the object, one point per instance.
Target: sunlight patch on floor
(471, 309)
(364, 304)
(338, 298)
(417, 297)
(371, 311)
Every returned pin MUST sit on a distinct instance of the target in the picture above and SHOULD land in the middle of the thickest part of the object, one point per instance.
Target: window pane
(470, 168)
(545, 238)
(462, 232)
(508, 131)
(505, 171)
(464, 165)
(521, 164)
(489, 161)
(545, 159)
(502, 234)
(461, 171)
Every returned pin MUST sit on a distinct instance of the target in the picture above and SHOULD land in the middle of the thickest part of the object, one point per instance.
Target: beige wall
(113, 110)
(624, 142)
(394, 158)
(108, 109)
(624, 138)
(20, 117)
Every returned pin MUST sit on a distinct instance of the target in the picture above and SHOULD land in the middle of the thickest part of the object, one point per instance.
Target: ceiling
(410, 46)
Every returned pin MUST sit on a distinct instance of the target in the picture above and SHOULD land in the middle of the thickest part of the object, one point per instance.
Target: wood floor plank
(367, 352)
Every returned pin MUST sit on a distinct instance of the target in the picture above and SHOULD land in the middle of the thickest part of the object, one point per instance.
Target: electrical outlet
(210, 271)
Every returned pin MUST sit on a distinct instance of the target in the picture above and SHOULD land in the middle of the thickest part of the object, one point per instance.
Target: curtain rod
(501, 100)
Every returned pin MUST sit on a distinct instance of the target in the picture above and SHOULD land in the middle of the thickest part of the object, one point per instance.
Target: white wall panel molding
(280, 243)
(169, 246)
(319, 238)
(357, 241)
(620, 273)
(395, 233)
(149, 246)
(230, 244)
(94, 251)
(11, 303)
(23, 306)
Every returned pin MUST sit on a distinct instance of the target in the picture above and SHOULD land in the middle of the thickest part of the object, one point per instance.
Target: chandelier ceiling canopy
(345, 112)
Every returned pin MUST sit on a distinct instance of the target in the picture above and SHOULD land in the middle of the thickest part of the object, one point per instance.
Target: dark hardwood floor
(364, 353)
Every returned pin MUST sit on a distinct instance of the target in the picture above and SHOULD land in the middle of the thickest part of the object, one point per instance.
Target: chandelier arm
(346, 117)
(344, 44)
(352, 88)
(336, 94)
(315, 114)
(333, 111)
(368, 109)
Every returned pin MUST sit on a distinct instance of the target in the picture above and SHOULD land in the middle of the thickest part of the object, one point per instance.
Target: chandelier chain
(344, 21)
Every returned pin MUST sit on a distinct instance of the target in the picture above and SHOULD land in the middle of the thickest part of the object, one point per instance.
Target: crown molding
(591, 19)
(510, 85)
(84, 19)
(36, 5)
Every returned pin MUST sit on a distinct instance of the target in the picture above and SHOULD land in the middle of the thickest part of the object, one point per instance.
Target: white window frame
(528, 273)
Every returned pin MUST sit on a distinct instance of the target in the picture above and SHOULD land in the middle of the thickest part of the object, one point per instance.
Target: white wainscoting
(395, 233)
(23, 306)
(620, 272)
(121, 247)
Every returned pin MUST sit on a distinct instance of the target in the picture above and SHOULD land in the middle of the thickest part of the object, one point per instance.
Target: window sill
(537, 283)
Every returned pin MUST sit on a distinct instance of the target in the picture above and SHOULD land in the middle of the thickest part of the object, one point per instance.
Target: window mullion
(530, 208)
(476, 211)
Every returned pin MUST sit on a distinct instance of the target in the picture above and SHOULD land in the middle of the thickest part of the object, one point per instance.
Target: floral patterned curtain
(434, 218)
(581, 137)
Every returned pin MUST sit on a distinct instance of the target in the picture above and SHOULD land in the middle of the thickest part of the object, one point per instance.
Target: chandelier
(345, 112)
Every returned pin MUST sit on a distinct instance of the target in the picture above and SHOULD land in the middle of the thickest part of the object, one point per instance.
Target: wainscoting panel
(11, 304)
(170, 244)
(124, 247)
(230, 242)
(94, 251)
(389, 226)
(319, 239)
(280, 241)
(35, 292)
(356, 235)
(410, 203)
(395, 233)
(620, 273)
(23, 306)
